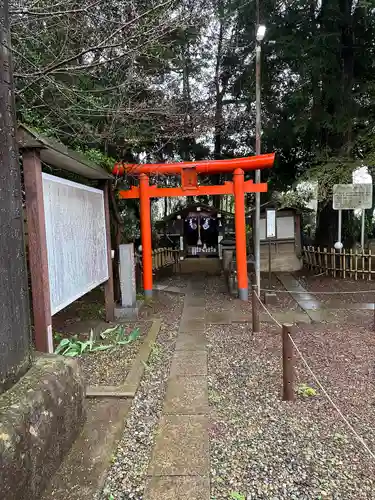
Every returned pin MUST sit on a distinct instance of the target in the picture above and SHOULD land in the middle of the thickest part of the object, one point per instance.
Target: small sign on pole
(270, 223)
(270, 235)
(351, 197)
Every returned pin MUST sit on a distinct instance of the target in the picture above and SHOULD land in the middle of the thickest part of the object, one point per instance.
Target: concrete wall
(284, 257)
(286, 249)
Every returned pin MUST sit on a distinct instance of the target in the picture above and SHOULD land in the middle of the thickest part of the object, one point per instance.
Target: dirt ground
(264, 448)
(361, 290)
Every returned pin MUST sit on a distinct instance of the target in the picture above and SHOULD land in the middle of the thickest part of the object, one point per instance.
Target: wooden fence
(340, 263)
(162, 258)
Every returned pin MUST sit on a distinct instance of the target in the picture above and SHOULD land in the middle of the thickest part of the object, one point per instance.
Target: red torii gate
(189, 187)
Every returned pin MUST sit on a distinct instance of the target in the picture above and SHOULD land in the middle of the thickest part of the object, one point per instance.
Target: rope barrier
(316, 293)
(355, 433)
(267, 311)
(345, 420)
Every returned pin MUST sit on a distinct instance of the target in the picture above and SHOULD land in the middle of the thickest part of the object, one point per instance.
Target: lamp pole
(261, 30)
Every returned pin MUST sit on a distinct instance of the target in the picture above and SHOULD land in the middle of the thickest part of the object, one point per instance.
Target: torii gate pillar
(145, 208)
(240, 227)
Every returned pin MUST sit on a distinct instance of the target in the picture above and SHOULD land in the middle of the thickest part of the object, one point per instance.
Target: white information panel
(76, 239)
(352, 196)
(284, 228)
(270, 223)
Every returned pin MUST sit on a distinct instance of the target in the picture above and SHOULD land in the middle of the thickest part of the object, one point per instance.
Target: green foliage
(72, 347)
(214, 397)
(237, 496)
(98, 157)
(184, 74)
(306, 391)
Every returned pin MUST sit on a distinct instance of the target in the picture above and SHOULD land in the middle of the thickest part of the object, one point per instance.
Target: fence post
(255, 309)
(288, 364)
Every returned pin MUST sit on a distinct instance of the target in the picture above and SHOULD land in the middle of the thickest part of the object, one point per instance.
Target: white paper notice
(271, 224)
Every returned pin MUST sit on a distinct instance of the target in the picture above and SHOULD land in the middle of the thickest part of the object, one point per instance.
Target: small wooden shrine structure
(196, 230)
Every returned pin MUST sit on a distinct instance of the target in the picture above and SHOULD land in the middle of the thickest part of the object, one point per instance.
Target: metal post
(257, 172)
(363, 230)
(269, 266)
(288, 364)
(339, 227)
(255, 309)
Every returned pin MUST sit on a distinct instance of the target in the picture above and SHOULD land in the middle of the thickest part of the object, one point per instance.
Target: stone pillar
(127, 275)
(129, 305)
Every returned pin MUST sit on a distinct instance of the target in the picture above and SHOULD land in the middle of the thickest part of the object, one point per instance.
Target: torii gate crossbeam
(189, 172)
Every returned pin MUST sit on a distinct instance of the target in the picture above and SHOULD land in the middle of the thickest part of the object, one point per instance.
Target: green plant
(57, 336)
(73, 347)
(237, 496)
(214, 396)
(306, 391)
(155, 352)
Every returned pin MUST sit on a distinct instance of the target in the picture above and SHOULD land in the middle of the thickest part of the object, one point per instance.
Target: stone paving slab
(191, 341)
(219, 318)
(194, 301)
(307, 305)
(83, 471)
(239, 317)
(188, 363)
(286, 317)
(178, 488)
(194, 312)
(190, 325)
(186, 396)
(360, 306)
(181, 447)
(304, 299)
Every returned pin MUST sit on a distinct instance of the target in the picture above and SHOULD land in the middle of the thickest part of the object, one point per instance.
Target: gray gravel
(218, 299)
(264, 448)
(111, 367)
(127, 476)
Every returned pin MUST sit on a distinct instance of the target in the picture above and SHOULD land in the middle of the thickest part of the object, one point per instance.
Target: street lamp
(261, 31)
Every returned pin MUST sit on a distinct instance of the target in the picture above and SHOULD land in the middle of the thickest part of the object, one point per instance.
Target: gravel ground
(218, 299)
(111, 367)
(160, 305)
(175, 281)
(264, 448)
(318, 284)
(127, 475)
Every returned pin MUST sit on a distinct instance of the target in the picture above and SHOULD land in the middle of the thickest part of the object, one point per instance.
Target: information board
(76, 239)
(352, 196)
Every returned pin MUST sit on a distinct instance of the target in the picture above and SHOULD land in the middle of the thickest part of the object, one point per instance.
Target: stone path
(304, 299)
(179, 467)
